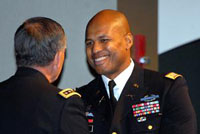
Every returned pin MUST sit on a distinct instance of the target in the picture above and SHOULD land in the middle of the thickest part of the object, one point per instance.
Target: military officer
(124, 98)
(29, 103)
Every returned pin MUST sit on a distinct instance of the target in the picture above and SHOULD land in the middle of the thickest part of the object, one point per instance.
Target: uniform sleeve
(73, 120)
(179, 116)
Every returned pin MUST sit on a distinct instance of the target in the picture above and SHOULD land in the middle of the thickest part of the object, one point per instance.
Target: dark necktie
(113, 100)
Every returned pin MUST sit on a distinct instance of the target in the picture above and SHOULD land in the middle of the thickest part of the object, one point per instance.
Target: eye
(104, 40)
(89, 42)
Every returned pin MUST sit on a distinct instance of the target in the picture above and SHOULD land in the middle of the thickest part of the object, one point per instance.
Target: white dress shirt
(120, 81)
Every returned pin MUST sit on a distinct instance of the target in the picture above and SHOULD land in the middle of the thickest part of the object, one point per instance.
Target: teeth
(99, 59)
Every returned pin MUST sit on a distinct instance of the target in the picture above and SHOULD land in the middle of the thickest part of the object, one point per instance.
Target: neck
(114, 75)
(45, 71)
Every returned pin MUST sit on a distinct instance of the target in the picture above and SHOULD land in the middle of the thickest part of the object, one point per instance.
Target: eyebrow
(103, 36)
(100, 37)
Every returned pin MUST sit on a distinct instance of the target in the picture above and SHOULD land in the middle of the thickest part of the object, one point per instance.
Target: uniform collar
(120, 80)
(29, 72)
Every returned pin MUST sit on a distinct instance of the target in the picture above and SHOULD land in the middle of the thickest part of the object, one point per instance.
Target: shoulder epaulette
(173, 75)
(66, 93)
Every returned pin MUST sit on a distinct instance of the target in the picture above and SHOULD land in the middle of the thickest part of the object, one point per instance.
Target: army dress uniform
(150, 103)
(29, 104)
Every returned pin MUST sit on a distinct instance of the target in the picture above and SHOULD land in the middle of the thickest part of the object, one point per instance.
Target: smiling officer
(124, 98)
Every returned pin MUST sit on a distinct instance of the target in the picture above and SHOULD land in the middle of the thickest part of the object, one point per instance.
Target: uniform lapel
(102, 105)
(131, 93)
(100, 94)
(101, 108)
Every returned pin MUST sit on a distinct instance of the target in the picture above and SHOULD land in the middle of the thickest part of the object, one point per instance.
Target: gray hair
(37, 41)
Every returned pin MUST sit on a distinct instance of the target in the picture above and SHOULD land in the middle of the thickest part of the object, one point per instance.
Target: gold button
(136, 85)
(150, 127)
(114, 132)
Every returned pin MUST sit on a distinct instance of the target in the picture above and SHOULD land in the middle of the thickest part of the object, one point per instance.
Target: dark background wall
(185, 60)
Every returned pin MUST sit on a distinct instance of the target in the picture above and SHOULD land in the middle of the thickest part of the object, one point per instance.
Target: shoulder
(57, 95)
(70, 98)
(162, 80)
(152, 77)
(67, 93)
(173, 76)
(72, 102)
(161, 76)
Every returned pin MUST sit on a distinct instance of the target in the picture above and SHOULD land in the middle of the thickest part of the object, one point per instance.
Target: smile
(100, 60)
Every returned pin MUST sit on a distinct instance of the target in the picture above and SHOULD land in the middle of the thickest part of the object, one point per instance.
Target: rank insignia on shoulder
(66, 93)
(173, 75)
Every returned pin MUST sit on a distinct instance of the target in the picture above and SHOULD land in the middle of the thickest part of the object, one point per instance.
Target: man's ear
(56, 60)
(129, 40)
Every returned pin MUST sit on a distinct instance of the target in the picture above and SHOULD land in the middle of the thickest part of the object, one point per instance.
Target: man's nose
(97, 47)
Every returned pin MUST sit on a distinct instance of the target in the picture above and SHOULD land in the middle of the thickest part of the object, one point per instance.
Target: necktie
(113, 100)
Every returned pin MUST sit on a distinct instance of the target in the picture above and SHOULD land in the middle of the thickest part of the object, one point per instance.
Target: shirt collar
(120, 80)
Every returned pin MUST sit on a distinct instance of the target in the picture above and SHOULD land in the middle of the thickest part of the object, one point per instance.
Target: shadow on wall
(185, 60)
